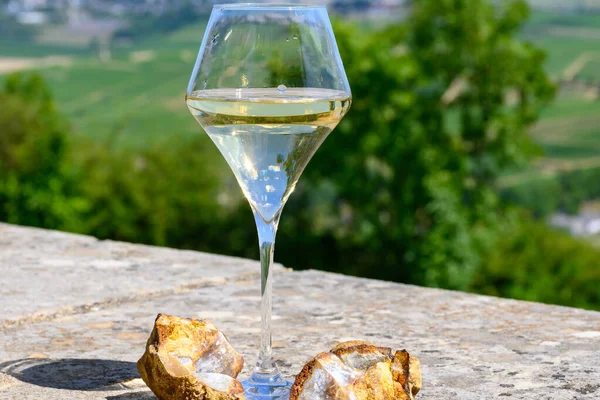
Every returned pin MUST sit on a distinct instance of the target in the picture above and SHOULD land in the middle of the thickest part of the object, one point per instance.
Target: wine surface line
(267, 136)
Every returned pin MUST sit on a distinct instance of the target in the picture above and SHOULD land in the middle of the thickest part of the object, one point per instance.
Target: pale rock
(359, 370)
(190, 359)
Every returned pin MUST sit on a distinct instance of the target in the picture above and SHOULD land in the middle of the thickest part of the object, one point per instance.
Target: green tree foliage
(35, 183)
(564, 192)
(163, 196)
(403, 190)
(533, 262)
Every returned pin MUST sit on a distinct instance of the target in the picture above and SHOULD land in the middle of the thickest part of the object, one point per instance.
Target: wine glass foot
(266, 387)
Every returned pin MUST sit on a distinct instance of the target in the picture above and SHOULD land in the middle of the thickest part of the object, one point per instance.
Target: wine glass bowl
(268, 46)
(268, 87)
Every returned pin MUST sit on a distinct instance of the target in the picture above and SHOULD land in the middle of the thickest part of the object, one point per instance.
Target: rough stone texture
(190, 359)
(75, 313)
(359, 370)
(84, 271)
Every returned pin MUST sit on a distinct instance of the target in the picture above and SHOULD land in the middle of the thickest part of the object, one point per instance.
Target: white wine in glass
(268, 87)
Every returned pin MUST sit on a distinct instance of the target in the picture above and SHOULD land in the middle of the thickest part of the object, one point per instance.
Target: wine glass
(268, 87)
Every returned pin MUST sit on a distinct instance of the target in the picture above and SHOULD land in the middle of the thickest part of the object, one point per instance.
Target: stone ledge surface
(47, 272)
(83, 318)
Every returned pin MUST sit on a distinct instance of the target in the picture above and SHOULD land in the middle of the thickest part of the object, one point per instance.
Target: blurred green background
(470, 159)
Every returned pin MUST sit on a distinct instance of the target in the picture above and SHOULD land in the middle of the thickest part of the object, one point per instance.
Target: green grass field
(563, 51)
(15, 49)
(569, 129)
(568, 133)
(140, 101)
(541, 17)
(137, 98)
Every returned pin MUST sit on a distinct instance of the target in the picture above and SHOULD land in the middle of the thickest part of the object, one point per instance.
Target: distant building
(31, 17)
(27, 5)
(34, 12)
(15, 6)
(585, 224)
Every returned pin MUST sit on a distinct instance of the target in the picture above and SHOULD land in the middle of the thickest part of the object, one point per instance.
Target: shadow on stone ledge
(133, 396)
(72, 373)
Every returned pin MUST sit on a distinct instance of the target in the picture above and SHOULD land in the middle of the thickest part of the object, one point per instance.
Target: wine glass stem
(266, 238)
